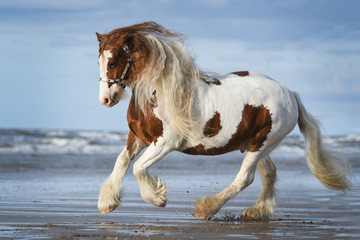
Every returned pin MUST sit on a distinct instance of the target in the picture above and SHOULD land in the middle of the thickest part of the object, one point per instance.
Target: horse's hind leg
(209, 206)
(264, 206)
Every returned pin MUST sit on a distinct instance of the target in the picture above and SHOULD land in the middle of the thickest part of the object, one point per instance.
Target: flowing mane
(175, 76)
(168, 69)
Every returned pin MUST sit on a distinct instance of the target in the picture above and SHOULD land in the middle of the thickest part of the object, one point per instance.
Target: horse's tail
(328, 166)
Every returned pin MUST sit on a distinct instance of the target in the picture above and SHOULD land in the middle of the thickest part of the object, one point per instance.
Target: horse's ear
(99, 36)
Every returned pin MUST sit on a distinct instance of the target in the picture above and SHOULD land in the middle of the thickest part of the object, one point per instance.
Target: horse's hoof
(160, 202)
(247, 218)
(254, 214)
(200, 215)
(106, 210)
(160, 192)
(163, 204)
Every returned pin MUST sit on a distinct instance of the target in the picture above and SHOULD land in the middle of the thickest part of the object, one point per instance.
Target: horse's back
(234, 92)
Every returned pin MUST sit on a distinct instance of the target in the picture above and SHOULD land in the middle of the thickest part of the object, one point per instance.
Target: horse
(175, 106)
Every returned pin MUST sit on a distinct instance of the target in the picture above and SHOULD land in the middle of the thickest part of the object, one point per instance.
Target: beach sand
(55, 197)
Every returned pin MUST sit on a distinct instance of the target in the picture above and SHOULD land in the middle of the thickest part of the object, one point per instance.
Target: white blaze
(104, 88)
(103, 62)
(105, 91)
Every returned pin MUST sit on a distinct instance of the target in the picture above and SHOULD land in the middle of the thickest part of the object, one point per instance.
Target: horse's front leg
(153, 190)
(110, 194)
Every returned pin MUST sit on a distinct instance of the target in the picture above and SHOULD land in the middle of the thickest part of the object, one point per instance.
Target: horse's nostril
(114, 97)
(107, 100)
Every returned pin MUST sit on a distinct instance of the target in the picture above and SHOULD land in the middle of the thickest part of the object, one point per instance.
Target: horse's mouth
(113, 98)
(111, 101)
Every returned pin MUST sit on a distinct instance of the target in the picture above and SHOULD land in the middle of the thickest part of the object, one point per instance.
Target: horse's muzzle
(109, 102)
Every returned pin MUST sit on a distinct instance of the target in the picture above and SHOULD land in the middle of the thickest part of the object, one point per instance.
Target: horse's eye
(112, 64)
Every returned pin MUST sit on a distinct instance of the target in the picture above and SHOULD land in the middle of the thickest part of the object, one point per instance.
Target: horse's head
(116, 63)
(134, 55)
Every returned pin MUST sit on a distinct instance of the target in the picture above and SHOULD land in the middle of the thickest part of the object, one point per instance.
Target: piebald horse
(176, 106)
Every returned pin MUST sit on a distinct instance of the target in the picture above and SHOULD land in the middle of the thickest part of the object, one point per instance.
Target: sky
(48, 61)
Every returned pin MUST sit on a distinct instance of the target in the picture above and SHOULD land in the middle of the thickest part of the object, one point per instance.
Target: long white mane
(173, 77)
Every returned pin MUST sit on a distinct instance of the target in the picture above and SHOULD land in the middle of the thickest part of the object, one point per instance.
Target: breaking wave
(102, 142)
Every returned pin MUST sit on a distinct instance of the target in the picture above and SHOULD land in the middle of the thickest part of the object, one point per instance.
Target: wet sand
(55, 197)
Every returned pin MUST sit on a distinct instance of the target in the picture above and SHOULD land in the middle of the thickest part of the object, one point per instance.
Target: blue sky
(49, 71)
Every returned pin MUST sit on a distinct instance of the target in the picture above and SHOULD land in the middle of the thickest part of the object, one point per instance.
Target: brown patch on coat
(213, 126)
(213, 81)
(147, 128)
(250, 134)
(241, 73)
(210, 80)
(217, 82)
(133, 143)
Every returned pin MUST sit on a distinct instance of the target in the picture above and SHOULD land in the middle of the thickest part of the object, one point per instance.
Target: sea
(15, 141)
(94, 150)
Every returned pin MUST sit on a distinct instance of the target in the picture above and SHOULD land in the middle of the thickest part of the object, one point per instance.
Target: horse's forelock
(150, 27)
(135, 31)
(115, 40)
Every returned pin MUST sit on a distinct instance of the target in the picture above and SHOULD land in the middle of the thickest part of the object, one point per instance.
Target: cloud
(213, 3)
(318, 67)
(55, 5)
(291, 4)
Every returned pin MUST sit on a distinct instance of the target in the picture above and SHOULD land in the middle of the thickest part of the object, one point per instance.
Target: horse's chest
(147, 128)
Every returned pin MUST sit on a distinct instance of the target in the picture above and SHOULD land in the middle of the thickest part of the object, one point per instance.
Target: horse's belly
(250, 133)
(201, 150)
